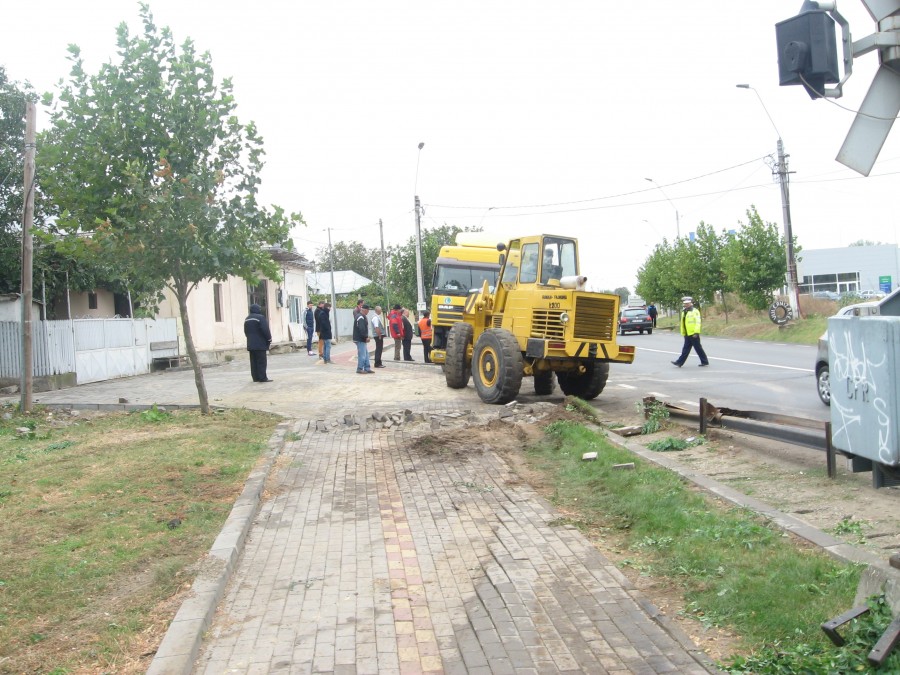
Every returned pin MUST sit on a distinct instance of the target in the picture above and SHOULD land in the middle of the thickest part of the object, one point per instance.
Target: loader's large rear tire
(543, 382)
(497, 366)
(586, 385)
(458, 367)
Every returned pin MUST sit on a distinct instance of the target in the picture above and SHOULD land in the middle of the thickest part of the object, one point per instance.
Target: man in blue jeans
(309, 322)
(361, 339)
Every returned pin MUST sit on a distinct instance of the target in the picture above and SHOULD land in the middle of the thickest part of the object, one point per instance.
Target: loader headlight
(564, 318)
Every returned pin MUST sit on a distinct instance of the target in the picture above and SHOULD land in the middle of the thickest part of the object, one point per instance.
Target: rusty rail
(782, 428)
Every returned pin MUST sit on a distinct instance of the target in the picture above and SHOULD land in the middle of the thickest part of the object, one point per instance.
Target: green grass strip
(736, 570)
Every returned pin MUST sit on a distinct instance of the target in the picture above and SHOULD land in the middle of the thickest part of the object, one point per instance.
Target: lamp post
(677, 219)
(420, 286)
(783, 175)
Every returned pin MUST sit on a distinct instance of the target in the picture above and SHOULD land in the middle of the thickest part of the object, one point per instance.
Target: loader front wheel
(458, 365)
(586, 385)
(497, 366)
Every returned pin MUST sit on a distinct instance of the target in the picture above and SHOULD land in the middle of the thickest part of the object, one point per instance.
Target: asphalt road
(743, 374)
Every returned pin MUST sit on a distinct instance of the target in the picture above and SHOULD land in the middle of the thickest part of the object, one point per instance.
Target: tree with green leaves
(657, 277)
(402, 280)
(350, 255)
(708, 273)
(12, 164)
(754, 260)
(51, 270)
(148, 168)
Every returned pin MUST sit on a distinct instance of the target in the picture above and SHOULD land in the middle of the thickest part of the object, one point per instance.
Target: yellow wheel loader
(538, 322)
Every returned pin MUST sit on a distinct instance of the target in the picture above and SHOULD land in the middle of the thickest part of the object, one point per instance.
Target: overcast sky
(536, 116)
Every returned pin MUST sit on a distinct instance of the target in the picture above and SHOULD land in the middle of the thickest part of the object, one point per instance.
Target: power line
(594, 199)
(683, 197)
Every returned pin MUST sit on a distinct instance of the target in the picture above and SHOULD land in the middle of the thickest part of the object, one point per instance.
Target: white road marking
(746, 363)
(659, 393)
(627, 386)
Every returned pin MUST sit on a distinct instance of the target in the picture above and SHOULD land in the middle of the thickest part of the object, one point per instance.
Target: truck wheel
(497, 366)
(458, 367)
(586, 385)
(543, 382)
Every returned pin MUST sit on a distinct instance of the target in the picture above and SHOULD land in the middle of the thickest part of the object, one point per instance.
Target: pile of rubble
(511, 413)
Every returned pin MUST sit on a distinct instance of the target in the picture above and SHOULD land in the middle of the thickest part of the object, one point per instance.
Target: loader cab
(535, 262)
(539, 260)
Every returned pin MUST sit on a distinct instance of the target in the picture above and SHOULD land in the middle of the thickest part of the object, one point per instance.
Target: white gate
(96, 349)
(110, 348)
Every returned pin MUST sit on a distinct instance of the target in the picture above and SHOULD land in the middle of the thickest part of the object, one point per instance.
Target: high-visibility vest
(425, 328)
(690, 321)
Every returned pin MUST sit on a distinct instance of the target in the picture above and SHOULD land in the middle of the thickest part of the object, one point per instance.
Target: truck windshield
(459, 279)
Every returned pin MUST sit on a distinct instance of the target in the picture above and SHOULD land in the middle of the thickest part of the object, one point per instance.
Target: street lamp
(677, 220)
(783, 175)
(420, 287)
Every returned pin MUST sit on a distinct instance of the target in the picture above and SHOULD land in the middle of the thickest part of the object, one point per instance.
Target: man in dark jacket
(259, 339)
(361, 338)
(309, 322)
(325, 334)
(318, 319)
(407, 336)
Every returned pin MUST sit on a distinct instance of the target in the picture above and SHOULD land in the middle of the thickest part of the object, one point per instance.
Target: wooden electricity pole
(27, 259)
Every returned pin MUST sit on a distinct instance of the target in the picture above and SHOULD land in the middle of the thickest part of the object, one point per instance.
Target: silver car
(823, 381)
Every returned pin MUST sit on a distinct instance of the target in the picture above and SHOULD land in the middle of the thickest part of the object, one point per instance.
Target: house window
(92, 300)
(294, 305)
(256, 295)
(217, 301)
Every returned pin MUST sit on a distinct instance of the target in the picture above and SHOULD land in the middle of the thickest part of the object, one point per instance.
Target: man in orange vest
(425, 332)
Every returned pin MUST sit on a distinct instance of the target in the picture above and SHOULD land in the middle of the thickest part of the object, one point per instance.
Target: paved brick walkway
(373, 557)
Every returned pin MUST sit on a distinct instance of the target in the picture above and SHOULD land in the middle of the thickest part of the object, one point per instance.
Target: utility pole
(783, 173)
(387, 295)
(420, 287)
(793, 290)
(333, 299)
(27, 259)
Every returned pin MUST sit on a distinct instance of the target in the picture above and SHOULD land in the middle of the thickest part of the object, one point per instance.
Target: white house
(217, 309)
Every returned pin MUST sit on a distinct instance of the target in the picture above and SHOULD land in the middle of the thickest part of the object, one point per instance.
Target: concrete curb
(181, 644)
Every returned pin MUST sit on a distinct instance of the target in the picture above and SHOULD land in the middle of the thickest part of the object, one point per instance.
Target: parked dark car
(635, 319)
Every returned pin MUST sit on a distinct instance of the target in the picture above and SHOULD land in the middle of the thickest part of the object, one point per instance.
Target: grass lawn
(103, 515)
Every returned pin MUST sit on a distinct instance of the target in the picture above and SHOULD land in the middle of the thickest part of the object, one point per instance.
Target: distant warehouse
(850, 269)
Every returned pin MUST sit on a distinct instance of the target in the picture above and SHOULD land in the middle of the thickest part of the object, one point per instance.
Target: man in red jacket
(395, 325)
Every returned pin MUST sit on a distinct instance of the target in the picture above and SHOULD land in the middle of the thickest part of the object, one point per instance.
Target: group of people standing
(398, 325)
(318, 321)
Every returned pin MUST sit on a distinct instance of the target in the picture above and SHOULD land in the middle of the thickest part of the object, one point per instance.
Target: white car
(823, 381)
(870, 295)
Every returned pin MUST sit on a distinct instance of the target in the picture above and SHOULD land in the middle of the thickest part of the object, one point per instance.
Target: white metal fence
(93, 349)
